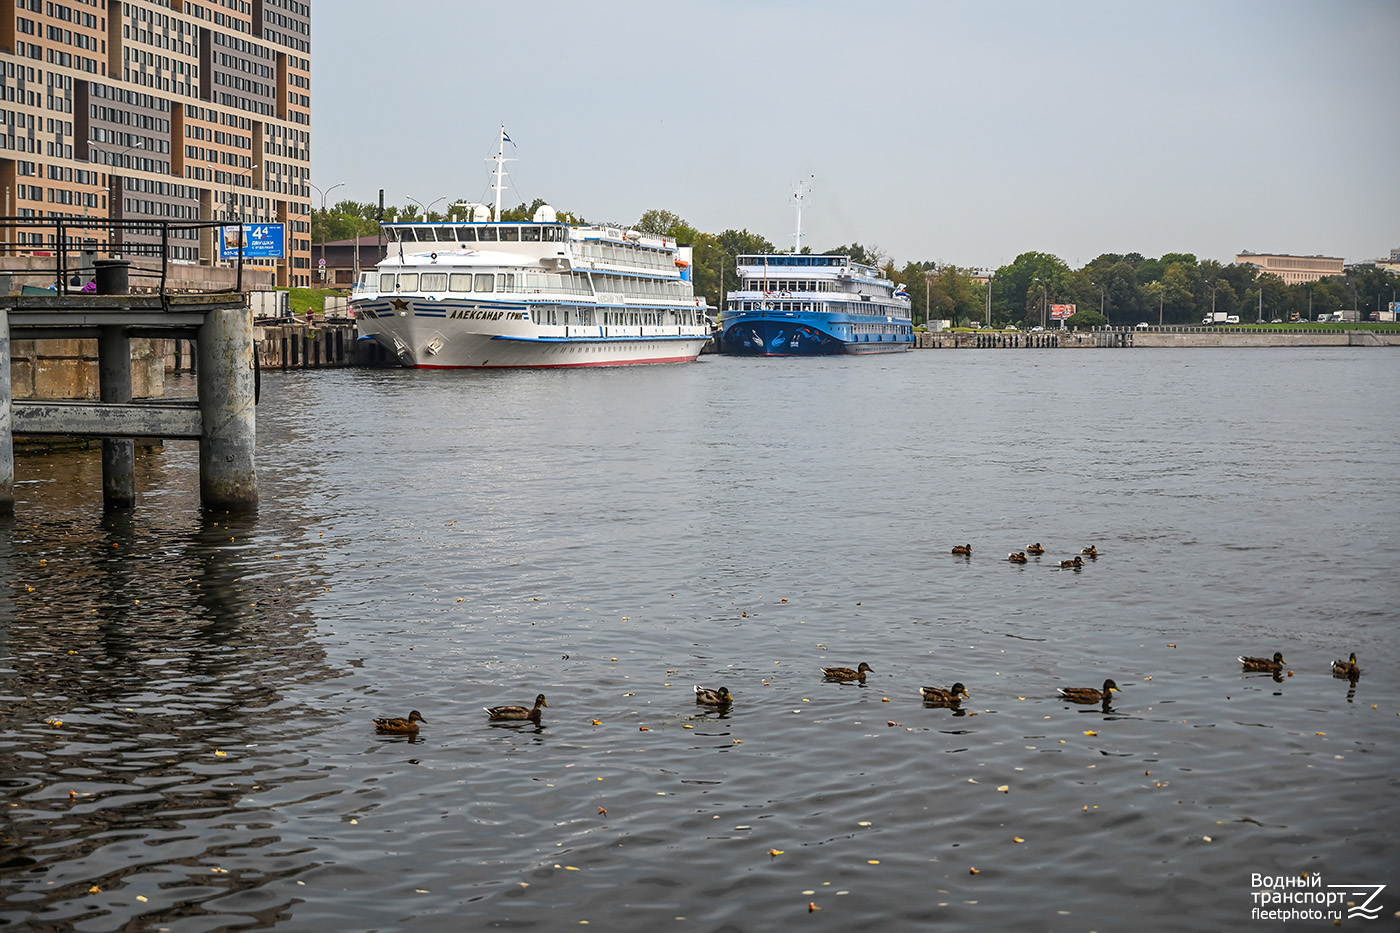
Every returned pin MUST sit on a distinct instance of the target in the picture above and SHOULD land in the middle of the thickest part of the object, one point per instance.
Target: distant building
(1292, 269)
(346, 258)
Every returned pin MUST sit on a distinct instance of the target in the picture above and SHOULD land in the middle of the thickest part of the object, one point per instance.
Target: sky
(954, 132)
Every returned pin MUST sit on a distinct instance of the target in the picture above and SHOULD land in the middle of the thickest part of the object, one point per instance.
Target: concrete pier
(227, 478)
(114, 385)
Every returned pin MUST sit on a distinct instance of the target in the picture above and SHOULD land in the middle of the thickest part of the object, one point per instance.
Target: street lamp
(429, 208)
(324, 224)
(1044, 301)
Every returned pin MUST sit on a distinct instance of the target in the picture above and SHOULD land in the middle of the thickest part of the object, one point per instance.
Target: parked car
(1277, 320)
(1009, 327)
(1143, 325)
(1037, 329)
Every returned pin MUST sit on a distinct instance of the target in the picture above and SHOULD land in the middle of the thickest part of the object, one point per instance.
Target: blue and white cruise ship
(799, 304)
(808, 305)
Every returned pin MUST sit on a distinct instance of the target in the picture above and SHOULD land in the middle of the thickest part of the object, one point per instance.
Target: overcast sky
(964, 132)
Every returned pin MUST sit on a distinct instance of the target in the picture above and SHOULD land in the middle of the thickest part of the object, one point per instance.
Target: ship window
(460, 282)
(486, 234)
(466, 234)
(425, 235)
(485, 282)
(510, 233)
(386, 282)
(408, 281)
(391, 234)
(551, 234)
(434, 281)
(530, 234)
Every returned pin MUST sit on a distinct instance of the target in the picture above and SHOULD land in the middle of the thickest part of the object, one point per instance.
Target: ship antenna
(499, 175)
(798, 194)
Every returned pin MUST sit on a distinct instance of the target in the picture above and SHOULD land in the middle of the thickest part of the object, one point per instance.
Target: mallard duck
(1346, 668)
(845, 673)
(719, 696)
(1089, 694)
(1017, 557)
(953, 694)
(963, 549)
(1035, 549)
(407, 726)
(1072, 564)
(1263, 664)
(1090, 551)
(511, 713)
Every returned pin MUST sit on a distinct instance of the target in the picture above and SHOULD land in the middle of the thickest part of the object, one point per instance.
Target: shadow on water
(144, 661)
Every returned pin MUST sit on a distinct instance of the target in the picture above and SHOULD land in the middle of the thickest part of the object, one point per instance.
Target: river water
(186, 741)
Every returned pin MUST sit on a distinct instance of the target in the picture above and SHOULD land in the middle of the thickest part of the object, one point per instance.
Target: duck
(516, 713)
(953, 694)
(1346, 668)
(718, 696)
(1089, 694)
(845, 673)
(1072, 564)
(964, 549)
(1035, 549)
(1263, 664)
(1090, 551)
(1017, 557)
(407, 726)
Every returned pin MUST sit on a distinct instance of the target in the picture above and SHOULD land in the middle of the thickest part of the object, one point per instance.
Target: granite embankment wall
(1129, 339)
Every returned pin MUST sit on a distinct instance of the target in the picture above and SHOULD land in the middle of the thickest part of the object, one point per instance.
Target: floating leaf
(94, 890)
(1005, 788)
(603, 810)
(687, 726)
(974, 871)
(812, 906)
(775, 851)
(597, 722)
(1017, 839)
(643, 729)
(1090, 732)
(142, 897)
(872, 861)
(221, 754)
(893, 723)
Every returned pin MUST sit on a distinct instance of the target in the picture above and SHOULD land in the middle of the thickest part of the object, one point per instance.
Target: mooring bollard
(227, 478)
(114, 385)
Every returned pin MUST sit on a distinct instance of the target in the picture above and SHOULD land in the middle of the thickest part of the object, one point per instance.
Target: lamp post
(1101, 297)
(427, 209)
(1044, 301)
(324, 222)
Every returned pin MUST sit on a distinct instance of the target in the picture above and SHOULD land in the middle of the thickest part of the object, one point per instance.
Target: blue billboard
(260, 241)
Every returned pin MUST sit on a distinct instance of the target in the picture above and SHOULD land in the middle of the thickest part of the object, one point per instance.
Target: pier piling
(227, 478)
(114, 385)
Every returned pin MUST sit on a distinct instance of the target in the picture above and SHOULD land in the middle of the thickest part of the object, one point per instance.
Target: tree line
(1120, 289)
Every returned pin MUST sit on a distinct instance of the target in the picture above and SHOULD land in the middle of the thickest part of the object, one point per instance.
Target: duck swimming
(1263, 664)
(1017, 557)
(953, 694)
(1346, 668)
(845, 673)
(716, 697)
(1089, 694)
(1072, 564)
(407, 726)
(965, 549)
(516, 713)
(1090, 551)
(1035, 549)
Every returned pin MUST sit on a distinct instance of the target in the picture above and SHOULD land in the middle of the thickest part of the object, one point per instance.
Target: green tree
(1086, 317)
(1179, 299)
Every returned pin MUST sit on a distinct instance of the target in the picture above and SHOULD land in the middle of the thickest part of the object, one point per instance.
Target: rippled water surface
(185, 698)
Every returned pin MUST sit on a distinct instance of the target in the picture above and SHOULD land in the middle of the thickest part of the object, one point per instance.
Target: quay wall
(1200, 337)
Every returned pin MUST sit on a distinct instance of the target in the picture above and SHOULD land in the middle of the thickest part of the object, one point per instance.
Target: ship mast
(798, 194)
(498, 183)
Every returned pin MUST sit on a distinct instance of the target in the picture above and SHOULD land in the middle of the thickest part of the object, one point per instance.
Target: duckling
(1346, 668)
(1017, 557)
(407, 726)
(1089, 694)
(953, 694)
(1035, 549)
(845, 673)
(716, 697)
(1072, 564)
(1090, 551)
(964, 549)
(1263, 664)
(512, 713)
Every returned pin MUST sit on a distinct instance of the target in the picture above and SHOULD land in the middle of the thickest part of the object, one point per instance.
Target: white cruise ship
(485, 294)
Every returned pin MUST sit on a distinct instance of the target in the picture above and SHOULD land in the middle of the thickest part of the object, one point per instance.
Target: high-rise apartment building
(159, 110)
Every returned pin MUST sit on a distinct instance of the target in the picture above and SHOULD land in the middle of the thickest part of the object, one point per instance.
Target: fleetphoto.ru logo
(1305, 897)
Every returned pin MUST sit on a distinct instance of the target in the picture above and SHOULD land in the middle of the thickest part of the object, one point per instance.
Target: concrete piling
(227, 479)
(114, 385)
(7, 447)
